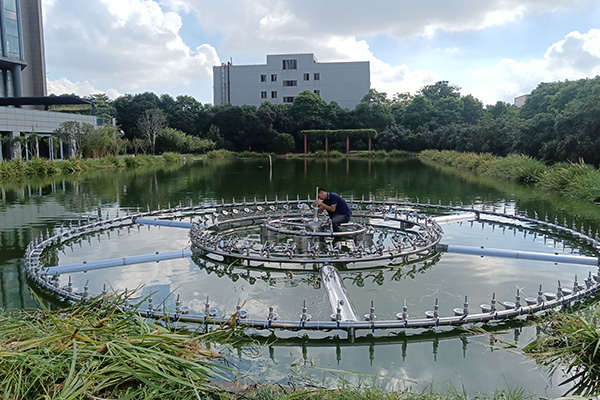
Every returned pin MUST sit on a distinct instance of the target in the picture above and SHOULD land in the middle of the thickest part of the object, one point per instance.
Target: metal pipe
(163, 222)
(525, 255)
(85, 266)
(336, 292)
(448, 219)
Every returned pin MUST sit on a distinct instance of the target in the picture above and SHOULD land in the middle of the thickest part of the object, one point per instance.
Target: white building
(287, 75)
(520, 101)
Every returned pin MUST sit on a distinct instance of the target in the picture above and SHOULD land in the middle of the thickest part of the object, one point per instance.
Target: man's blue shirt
(341, 207)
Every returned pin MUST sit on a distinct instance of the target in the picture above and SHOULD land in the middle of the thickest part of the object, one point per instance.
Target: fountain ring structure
(297, 238)
(284, 235)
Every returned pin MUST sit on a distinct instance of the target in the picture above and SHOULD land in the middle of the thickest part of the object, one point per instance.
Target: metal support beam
(340, 303)
(67, 269)
(525, 255)
(163, 222)
(463, 217)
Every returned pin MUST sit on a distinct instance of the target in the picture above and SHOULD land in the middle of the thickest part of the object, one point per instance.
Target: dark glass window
(13, 46)
(290, 64)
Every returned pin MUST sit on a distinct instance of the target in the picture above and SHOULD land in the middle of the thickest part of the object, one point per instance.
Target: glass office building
(22, 60)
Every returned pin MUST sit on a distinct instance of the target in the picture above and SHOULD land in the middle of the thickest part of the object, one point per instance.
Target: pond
(440, 359)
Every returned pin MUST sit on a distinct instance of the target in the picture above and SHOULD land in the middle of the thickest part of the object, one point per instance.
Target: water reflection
(310, 275)
(427, 360)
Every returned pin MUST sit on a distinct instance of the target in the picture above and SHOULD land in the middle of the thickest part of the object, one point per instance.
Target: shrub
(221, 153)
(40, 166)
(284, 143)
(172, 158)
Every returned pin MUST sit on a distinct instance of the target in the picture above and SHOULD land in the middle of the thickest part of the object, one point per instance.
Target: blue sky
(492, 49)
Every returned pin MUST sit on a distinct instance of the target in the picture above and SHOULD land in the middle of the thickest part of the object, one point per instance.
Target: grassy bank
(18, 169)
(575, 180)
(88, 351)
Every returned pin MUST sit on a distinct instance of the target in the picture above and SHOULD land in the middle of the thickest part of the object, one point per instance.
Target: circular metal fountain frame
(415, 235)
(214, 220)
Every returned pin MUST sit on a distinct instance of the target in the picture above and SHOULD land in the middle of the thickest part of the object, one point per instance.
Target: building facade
(520, 100)
(23, 82)
(285, 76)
(22, 60)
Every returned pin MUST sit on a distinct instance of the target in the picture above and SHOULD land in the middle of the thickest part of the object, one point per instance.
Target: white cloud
(85, 88)
(312, 18)
(131, 45)
(576, 56)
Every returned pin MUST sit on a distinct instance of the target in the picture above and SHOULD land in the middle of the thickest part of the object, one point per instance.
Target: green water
(393, 360)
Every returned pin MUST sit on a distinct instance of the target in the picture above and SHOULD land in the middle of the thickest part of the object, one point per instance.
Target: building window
(263, 78)
(306, 77)
(10, 5)
(9, 84)
(288, 99)
(263, 94)
(317, 92)
(273, 94)
(11, 25)
(317, 76)
(290, 64)
(273, 77)
(290, 83)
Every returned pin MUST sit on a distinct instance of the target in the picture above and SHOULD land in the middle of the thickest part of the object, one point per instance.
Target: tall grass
(88, 351)
(16, 169)
(570, 343)
(576, 180)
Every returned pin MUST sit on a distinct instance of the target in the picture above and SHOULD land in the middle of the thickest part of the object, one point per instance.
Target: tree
(230, 122)
(150, 124)
(258, 134)
(440, 90)
(374, 111)
(418, 113)
(74, 133)
(214, 135)
(284, 143)
(103, 142)
(183, 114)
(472, 109)
(130, 108)
(308, 111)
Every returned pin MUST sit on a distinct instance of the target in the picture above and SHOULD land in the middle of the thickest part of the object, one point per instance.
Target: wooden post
(305, 143)
(369, 143)
(326, 144)
(348, 144)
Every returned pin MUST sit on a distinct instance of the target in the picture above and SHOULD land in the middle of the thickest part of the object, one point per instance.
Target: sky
(494, 50)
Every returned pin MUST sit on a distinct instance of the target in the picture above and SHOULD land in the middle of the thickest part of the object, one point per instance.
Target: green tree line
(560, 121)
